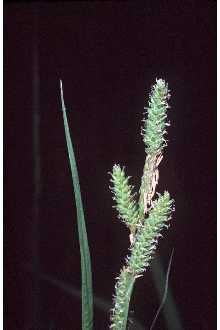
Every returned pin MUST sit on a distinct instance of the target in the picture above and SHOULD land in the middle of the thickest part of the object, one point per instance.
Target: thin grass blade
(86, 274)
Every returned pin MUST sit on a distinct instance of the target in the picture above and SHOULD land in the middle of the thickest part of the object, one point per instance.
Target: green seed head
(123, 196)
(147, 237)
(155, 122)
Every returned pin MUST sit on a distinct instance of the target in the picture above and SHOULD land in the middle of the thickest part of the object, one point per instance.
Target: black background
(108, 55)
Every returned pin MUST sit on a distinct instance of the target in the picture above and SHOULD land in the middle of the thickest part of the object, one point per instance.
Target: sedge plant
(144, 215)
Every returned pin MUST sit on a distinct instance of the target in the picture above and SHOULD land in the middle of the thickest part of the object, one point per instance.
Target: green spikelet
(154, 124)
(147, 236)
(122, 194)
(123, 289)
(141, 253)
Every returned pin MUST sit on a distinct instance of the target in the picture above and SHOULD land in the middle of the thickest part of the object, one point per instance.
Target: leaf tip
(61, 95)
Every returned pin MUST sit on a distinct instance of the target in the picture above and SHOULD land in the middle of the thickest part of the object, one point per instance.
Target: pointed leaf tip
(61, 95)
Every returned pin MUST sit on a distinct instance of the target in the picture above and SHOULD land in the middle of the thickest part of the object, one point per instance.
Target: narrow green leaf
(86, 274)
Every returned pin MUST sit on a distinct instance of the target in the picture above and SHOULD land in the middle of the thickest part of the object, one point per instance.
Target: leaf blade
(86, 273)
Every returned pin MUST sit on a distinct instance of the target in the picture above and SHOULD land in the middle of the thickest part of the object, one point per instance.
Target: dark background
(108, 55)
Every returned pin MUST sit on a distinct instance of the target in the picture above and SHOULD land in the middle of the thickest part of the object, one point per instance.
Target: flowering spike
(149, 217)
(122, 194)
(147, 236)
(154, 124)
